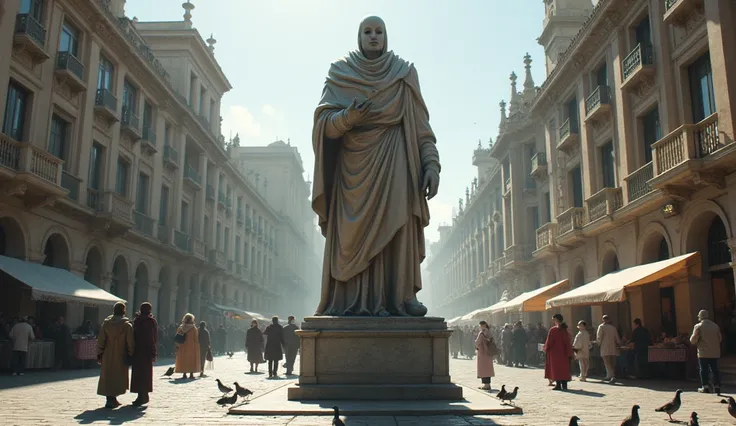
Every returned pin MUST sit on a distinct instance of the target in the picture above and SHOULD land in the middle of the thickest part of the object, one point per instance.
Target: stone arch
(165, 296)
(577, 279)
(13, 238)
(651, 241)
(141, 286)
(95, 263)
(695, 225)
(120, 278)
(56, 249)
(609, 260)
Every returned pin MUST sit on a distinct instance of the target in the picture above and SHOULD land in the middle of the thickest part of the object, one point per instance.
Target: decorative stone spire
(514, 102)
(460, 204)
(236, 140)
(211, 43)
(490, 142)
(188, 7)
(528, 81)
(475, 184)
(504, 120)
(479, 145)
(467, 196)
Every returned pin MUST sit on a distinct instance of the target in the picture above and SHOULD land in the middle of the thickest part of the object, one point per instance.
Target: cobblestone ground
(69, 397)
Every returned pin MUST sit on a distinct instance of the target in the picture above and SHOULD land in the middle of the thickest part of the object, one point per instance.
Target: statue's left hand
(430, 184)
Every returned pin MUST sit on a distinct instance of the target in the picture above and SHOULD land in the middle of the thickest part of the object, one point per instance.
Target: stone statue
(376, 165)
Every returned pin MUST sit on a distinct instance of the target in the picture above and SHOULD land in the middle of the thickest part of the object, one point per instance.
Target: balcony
(192, 177)
(148, 140)
(31, 173)
(171, 157)
(70, 183)
(182, 241)
(498, 265)
(690, 156)
(30, 37)
(598, 104)
(143, 224)
(546, 241)
(568, 137)
(637, 183)
(539, 165)
(106, 105)
(678, 12)
(70, 71)
(570, 226)
(638, 66)
(199, 248)
(114, 211)
(240, 216)
(164, 235)
(217, 258)
(515, 256)
(601, 207)
(129, 124)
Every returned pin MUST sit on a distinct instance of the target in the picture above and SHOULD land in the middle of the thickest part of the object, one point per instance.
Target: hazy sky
(276, 54)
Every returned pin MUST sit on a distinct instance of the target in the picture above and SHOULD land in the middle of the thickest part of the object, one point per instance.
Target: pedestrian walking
(187, 348)
(558, 350)
(581, 348)
(145, 337)
(608, 341)
(518, 344)
(507, 340)
(115, 346)
(205, 346)
(274, 345)
(486, 350)
(254, 346)
(292, 345)
(707, 337)
(22, 335)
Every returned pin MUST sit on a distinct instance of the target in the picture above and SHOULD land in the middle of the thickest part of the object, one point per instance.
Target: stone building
(113, 165)
(630, 145)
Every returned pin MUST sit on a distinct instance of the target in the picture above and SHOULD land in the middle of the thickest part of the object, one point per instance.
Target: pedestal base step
(371, 392)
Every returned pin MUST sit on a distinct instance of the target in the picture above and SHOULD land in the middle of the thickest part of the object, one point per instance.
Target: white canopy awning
(612, 287)
(56, 285)
(232, 310)
(535, 300)
(453, 321)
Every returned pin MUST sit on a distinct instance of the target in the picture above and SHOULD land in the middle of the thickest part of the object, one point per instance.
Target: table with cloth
(85, 349)
(40, 355)
(668, 362)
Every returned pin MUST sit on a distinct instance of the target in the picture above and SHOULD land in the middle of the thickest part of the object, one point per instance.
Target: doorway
(667, 309)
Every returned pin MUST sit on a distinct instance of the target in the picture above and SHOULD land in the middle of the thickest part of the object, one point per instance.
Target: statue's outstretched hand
(430, 184)
(356, 113)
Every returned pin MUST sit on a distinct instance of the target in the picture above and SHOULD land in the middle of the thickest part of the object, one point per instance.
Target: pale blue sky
(276, 54)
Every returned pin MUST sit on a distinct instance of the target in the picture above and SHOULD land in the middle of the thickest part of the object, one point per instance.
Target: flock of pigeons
(232, 399)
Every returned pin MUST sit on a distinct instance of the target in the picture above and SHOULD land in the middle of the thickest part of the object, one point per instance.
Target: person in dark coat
(254, 346)
(558, 349)
(518, 342)
(145, 336)
(205, 345)
(292, 345)
(274, 344)
(641, 338)
(62, 343)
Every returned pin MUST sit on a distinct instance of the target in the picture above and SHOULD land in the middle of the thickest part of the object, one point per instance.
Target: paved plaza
(69, 397)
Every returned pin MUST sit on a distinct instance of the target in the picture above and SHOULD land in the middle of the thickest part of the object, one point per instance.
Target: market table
(85, 349)
(40, 355)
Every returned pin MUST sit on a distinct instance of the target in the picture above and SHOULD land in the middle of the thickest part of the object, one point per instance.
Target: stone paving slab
(275, 403)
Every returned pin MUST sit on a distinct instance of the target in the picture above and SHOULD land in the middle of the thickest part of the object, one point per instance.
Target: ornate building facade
(629, 143)
(113, 165)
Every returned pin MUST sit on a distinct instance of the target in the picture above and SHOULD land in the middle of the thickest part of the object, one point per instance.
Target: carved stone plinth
(374, 358)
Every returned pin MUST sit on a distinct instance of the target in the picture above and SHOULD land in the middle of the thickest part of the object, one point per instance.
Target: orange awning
(612, 287)
(535, 300)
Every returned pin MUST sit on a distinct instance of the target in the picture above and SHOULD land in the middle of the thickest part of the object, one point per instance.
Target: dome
(278, 143)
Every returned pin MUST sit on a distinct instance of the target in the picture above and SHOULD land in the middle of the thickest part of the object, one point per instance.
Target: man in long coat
(114, 345)
(274, 344)
(145, 333)
(291, 346)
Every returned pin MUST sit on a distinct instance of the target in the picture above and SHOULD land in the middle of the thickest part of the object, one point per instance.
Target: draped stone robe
(367, 186)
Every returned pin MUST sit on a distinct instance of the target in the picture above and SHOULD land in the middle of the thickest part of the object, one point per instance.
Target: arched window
(718, 251)
(664, 250)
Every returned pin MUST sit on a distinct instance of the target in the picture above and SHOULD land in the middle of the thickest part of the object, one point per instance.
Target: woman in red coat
(558, 350)
(145, 335)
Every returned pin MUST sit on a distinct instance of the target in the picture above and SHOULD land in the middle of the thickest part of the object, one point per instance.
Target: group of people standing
(269, 345)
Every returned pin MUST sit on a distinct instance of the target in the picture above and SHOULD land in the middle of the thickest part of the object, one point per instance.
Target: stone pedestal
(374, 358)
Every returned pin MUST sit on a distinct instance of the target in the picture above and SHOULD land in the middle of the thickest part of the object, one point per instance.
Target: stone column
(719, 15)
(198, 230)
(178, 189)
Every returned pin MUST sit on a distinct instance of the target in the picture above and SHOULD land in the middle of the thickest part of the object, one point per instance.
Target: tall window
(141, 195)
(95, 166)
(33, 8)
(184, 216)
(227, 241)
(643, 32)
(105, 74)
(601, 75)
(572, 114)
(121, 179)
(16, 104)
(547, 208)
(652, 132)
(576, 178)
(130, 94)
(147, 115)
(218, 235)
(163, 210)
(167, 135)
(701, 88)
(534, 211)
(69, 41)
(607, 166)
(58, 138)
(237, 249)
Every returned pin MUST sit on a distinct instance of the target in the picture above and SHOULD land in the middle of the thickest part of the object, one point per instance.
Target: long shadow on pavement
(41, 377)
(114, 417)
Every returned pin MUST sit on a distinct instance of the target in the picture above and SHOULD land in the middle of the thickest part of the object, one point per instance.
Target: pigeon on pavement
(671, 407)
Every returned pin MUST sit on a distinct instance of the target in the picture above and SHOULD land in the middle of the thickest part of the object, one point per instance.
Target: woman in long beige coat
(114, 345)
(187, 354)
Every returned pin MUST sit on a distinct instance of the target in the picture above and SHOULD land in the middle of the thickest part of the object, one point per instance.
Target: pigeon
(671, 407)
(230, 354)
(732, 407)
(224, 389)
(510, 396)
(693, 419)
(633, 419)
(241, 391)
(336, 420)
(574, 421)
(501, 393)
(228, 400)
(169, 372)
